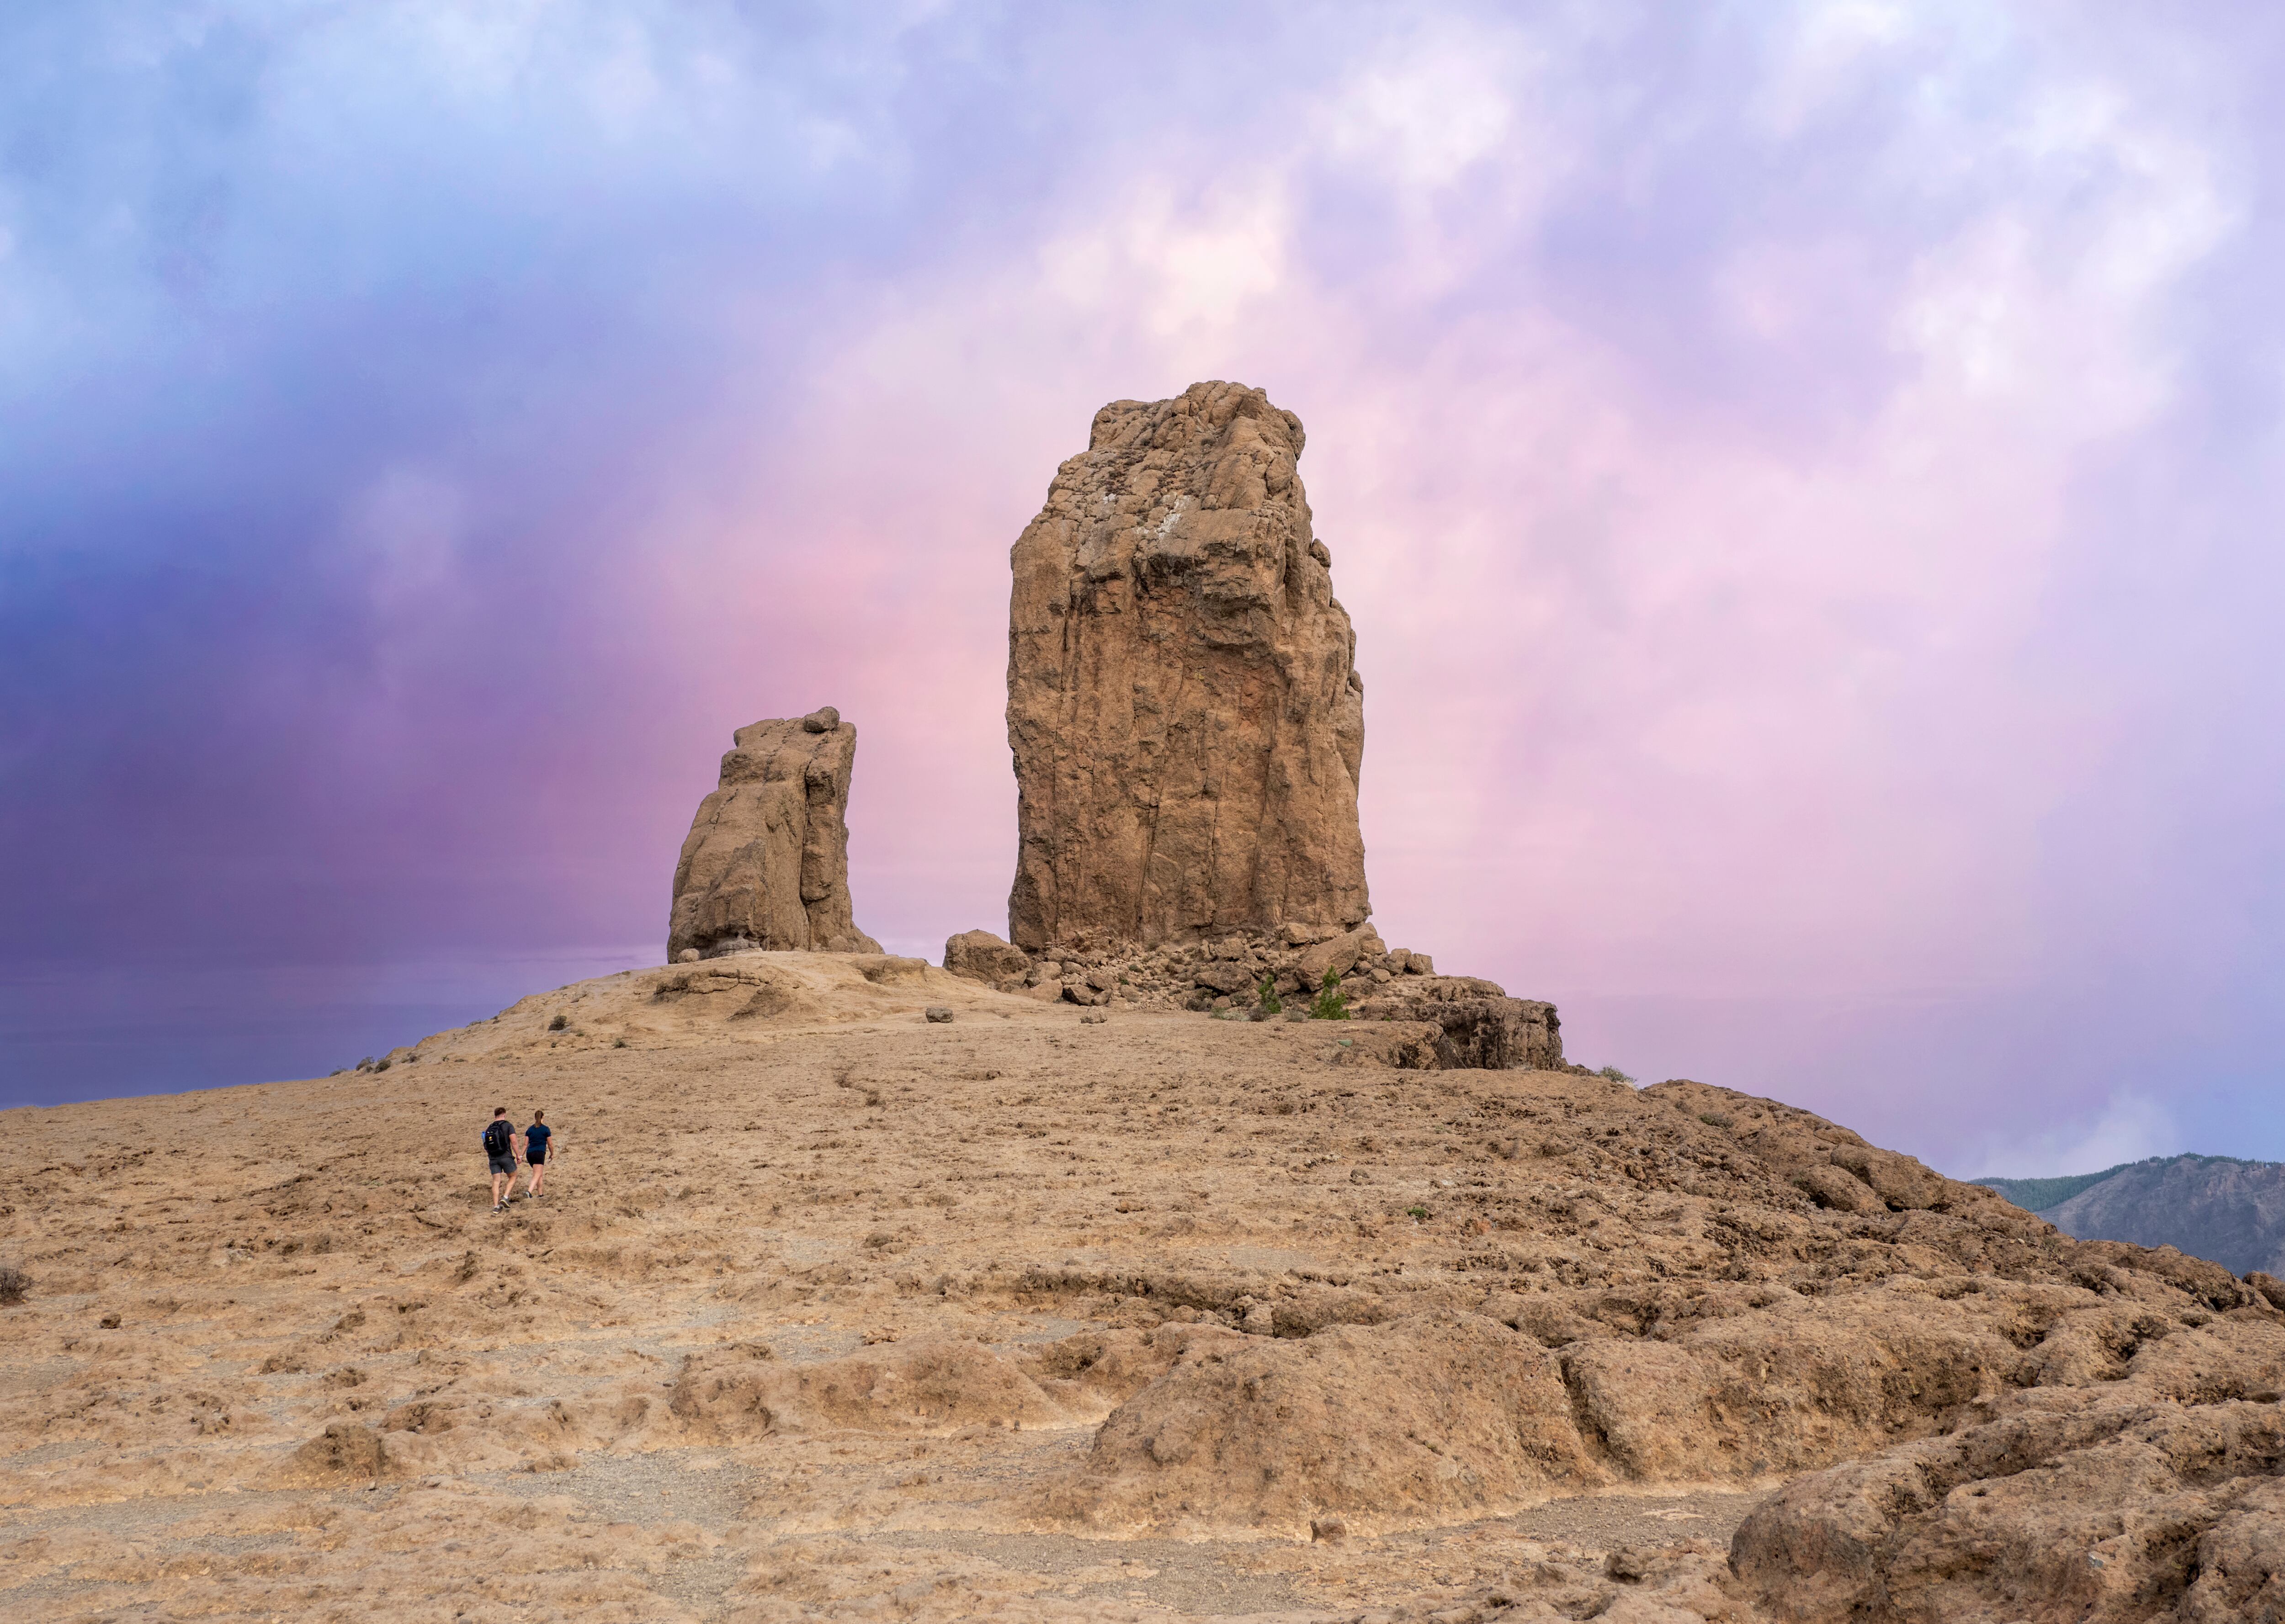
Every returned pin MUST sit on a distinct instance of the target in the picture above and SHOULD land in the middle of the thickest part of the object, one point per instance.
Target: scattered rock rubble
(1471, 1023)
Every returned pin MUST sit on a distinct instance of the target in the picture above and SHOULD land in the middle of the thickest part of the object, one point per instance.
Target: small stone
(1093, 1017)
(825, 718)
(938, 1014)
(1328, 1529)
(688, 955)
(1625, 1565)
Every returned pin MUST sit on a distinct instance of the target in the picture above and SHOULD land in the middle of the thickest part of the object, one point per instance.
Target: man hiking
(499, 1147)
(534, 1153)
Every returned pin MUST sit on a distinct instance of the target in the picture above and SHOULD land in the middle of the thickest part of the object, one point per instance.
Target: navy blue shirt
(535, 1141)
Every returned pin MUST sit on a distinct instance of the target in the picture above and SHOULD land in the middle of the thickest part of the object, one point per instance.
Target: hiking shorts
(537, 1158)
(504, 1167)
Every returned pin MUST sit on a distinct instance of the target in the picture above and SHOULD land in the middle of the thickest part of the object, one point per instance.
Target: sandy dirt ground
(830, 1310)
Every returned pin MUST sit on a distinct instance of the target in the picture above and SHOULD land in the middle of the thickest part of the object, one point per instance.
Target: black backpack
(497, 1137)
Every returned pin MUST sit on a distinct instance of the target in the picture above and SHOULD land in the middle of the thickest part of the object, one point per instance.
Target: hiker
(499, 1146)
(534, 1153)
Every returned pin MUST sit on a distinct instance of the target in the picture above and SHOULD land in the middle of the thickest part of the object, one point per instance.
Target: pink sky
(1805, 481)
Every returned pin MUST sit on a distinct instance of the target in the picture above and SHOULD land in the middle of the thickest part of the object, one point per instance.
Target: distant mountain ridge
(2218, 1207)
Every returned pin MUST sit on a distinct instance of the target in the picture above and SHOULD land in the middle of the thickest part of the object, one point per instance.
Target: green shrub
(1270, 1000)
(1614, 1074)
(1331, 1005)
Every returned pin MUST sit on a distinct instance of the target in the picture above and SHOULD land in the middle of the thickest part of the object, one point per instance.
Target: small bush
(618, 1043)
(13, 1284)
(1270, 1000)
(1332, 1005)
(381, 1065)
(1614, 1074)
(1415, 1211)
(1714, 1118)
(561, 1022)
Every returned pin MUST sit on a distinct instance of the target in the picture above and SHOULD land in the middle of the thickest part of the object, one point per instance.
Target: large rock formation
(1183, 698)
(767, 863)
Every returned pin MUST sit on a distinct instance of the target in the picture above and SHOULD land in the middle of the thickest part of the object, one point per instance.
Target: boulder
(1223, 975)
(978, 956)
(767, 863)
(1483, 1028)
(1338, 955)
(1183, 704)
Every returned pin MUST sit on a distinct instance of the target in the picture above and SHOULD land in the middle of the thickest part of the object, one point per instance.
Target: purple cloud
(1802, 478)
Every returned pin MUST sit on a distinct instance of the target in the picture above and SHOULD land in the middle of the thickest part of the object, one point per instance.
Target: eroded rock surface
(767, 862)
(2156, 1495)
(978, 956)
(1114, 1313)
(1182, 697)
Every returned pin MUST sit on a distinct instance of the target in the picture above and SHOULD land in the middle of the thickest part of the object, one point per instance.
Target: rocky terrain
(767, 862)
(1421, 1019)
(1183, 703)
(1043, 1312)
(1193, 1254)
(2211, 1206)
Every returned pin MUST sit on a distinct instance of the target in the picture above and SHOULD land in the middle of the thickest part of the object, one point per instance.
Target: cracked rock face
(767, 862)
(1183, 698)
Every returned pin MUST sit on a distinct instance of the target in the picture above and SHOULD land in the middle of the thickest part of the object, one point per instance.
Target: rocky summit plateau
(1096, 1274)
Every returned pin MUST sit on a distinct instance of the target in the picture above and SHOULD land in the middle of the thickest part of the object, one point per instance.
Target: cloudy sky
(1807, 477)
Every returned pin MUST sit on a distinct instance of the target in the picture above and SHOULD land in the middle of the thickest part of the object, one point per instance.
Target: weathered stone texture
(1482, 1028)
(978, 956)
(767, 863)
(1183, 698)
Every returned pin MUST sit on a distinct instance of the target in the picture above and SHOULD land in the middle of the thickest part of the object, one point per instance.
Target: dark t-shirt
(535, 1141)
(506, 1137)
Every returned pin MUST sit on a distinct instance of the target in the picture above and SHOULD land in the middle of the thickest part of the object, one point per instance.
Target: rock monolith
(767, 862)
(1183, 703)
